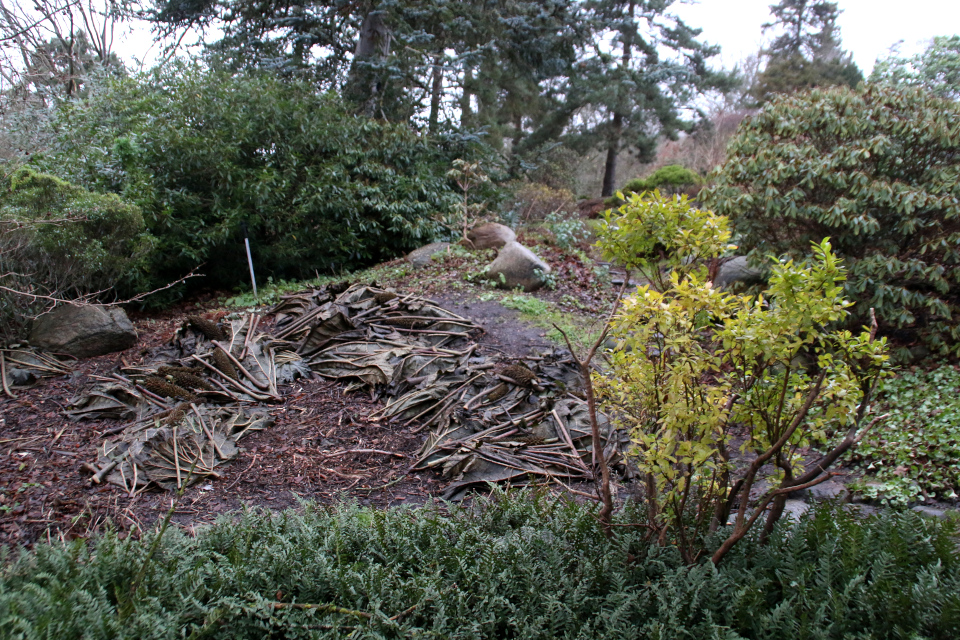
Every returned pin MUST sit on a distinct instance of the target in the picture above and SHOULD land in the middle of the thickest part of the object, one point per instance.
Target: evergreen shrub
(204, 151)
(62, 241)
(671, 179)
(515, 566)
(877, 170)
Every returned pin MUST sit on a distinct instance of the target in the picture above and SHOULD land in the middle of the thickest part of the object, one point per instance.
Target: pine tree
(807, 53)
(631, 97)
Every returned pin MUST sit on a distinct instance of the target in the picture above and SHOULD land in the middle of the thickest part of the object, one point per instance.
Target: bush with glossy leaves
(204, 152)
(877, 170)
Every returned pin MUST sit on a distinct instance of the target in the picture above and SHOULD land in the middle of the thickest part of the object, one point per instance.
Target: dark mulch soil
(504, 332)
(44, 493)
(305, 455)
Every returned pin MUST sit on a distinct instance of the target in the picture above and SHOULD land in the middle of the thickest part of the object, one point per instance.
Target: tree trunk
(779, 503)
(363, 85)
(613, 149)
(465, 108)
(436, 92)
(606, 512)
(613, 144)
(517, 133)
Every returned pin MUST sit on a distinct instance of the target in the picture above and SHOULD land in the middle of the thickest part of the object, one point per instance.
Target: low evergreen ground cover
(522, 565)
(914, 453)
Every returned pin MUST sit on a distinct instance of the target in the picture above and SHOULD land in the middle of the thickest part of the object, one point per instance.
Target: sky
(868, 28)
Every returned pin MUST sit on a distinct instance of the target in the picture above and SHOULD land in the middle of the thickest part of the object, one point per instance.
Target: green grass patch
(915, 452)
(582, 330)
(518, 565)
(447, 267)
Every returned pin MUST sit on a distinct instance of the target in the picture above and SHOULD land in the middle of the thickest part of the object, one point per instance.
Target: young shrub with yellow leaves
(700, 373)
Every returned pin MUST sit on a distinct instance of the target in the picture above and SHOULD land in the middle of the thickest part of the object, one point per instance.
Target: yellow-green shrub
(701, 373)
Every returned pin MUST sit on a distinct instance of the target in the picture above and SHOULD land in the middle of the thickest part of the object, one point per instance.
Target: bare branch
(86, 300)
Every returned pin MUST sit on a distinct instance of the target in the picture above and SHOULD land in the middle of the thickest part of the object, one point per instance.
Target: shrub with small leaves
(671, 179)
(664, 178)
(62, 241)
(568, 230)
(480, 572)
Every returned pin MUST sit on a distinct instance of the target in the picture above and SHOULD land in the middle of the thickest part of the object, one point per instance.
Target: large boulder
(83, 331)
(491, 236)
(737, 270)
(517, 266)
(423, 256)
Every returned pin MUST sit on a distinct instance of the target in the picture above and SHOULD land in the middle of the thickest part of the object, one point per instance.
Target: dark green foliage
(59, 240)
(500, 60)
(519, 71)
(669, 179)
(789, 74)
(915, 451)
(936, 69)
(670, 176)
(638, 93)
(203, 152)
(520, 566)
(876, 171)
(806, 53)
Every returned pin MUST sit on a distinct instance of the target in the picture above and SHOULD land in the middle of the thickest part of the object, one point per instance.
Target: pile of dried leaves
(23, 366)
(489, 420)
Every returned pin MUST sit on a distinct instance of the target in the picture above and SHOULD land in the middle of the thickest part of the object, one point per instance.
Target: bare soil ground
(307, 454)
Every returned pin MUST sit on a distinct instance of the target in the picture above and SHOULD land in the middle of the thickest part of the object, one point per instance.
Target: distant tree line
(362, 107)
(527, 76)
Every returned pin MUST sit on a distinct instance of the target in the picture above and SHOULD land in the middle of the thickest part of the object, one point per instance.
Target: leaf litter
(481, 418)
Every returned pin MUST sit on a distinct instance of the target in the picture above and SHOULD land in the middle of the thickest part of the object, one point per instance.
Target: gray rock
(517, 266)
(829, 490)
(737, 270)
(919, 353)
(20, 377)
(795, 508)
(423, 256)
(83, 331)
(862, 510)
(931, 512)
(491, 236)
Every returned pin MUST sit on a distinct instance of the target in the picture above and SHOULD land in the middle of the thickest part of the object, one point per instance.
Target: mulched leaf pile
(339, 391)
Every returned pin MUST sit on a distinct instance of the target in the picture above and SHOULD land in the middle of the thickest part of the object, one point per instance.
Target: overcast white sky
(868, 28)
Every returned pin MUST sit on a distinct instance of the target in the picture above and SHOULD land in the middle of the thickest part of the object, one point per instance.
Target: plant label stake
(246, 242)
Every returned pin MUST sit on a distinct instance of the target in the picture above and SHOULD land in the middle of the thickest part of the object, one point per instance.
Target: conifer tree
(807, 51)
(635, 94)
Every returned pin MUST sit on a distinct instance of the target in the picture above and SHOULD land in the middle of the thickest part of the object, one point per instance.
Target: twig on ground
(3, 376)
(341, 453)
(256, 456)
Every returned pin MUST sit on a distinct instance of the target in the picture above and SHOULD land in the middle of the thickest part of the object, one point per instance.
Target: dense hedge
(525, 566)
(878, 171)
(202, 152)
(664, 178)
(62, 241)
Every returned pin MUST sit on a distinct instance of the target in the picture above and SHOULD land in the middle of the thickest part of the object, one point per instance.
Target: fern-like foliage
(519, 565)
